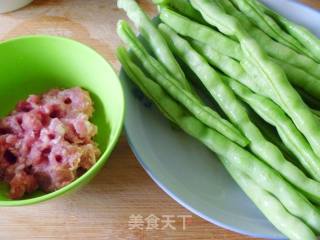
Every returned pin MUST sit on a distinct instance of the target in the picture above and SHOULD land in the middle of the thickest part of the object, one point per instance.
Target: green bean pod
(187, 27)
(154, 38)
(154, 68)
(240, 159)
(227, 65)
(185, 8)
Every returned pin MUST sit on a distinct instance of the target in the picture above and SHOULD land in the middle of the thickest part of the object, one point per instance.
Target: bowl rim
(110, 146)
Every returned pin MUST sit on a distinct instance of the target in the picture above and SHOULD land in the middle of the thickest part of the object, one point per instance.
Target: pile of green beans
(154, 68)
(303, 35)
(226, 45)
(232, 154)
(278, 27)
(272, 78)
(236, 112)
(269, 26)
(288, 132)
(275, 49)
(292, 227)
(292, 63)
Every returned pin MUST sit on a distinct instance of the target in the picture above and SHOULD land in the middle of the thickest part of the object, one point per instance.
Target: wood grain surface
(103, 208)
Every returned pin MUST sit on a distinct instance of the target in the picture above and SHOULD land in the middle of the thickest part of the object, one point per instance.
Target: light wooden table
(102, 209)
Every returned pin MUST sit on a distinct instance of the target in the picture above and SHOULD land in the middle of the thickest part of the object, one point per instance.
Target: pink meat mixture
(46, 142)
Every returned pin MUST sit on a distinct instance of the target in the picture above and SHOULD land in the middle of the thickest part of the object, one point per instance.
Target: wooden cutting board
(113, 206)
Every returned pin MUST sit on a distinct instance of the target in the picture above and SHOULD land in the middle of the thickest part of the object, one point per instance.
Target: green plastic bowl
(35, 64)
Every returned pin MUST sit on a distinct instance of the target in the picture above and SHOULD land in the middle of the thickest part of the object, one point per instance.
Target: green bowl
(35, 64)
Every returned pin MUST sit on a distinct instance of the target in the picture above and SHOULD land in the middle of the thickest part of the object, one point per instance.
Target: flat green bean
(154, 38)
(154, 68)
(239, 158)
(227, 65)
(187, 27)
(185, 8)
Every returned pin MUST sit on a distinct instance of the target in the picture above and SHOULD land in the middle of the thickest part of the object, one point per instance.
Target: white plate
(12, 5)
(185, 169)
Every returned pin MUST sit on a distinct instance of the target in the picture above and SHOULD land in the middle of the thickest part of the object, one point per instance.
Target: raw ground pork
(46, 142)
